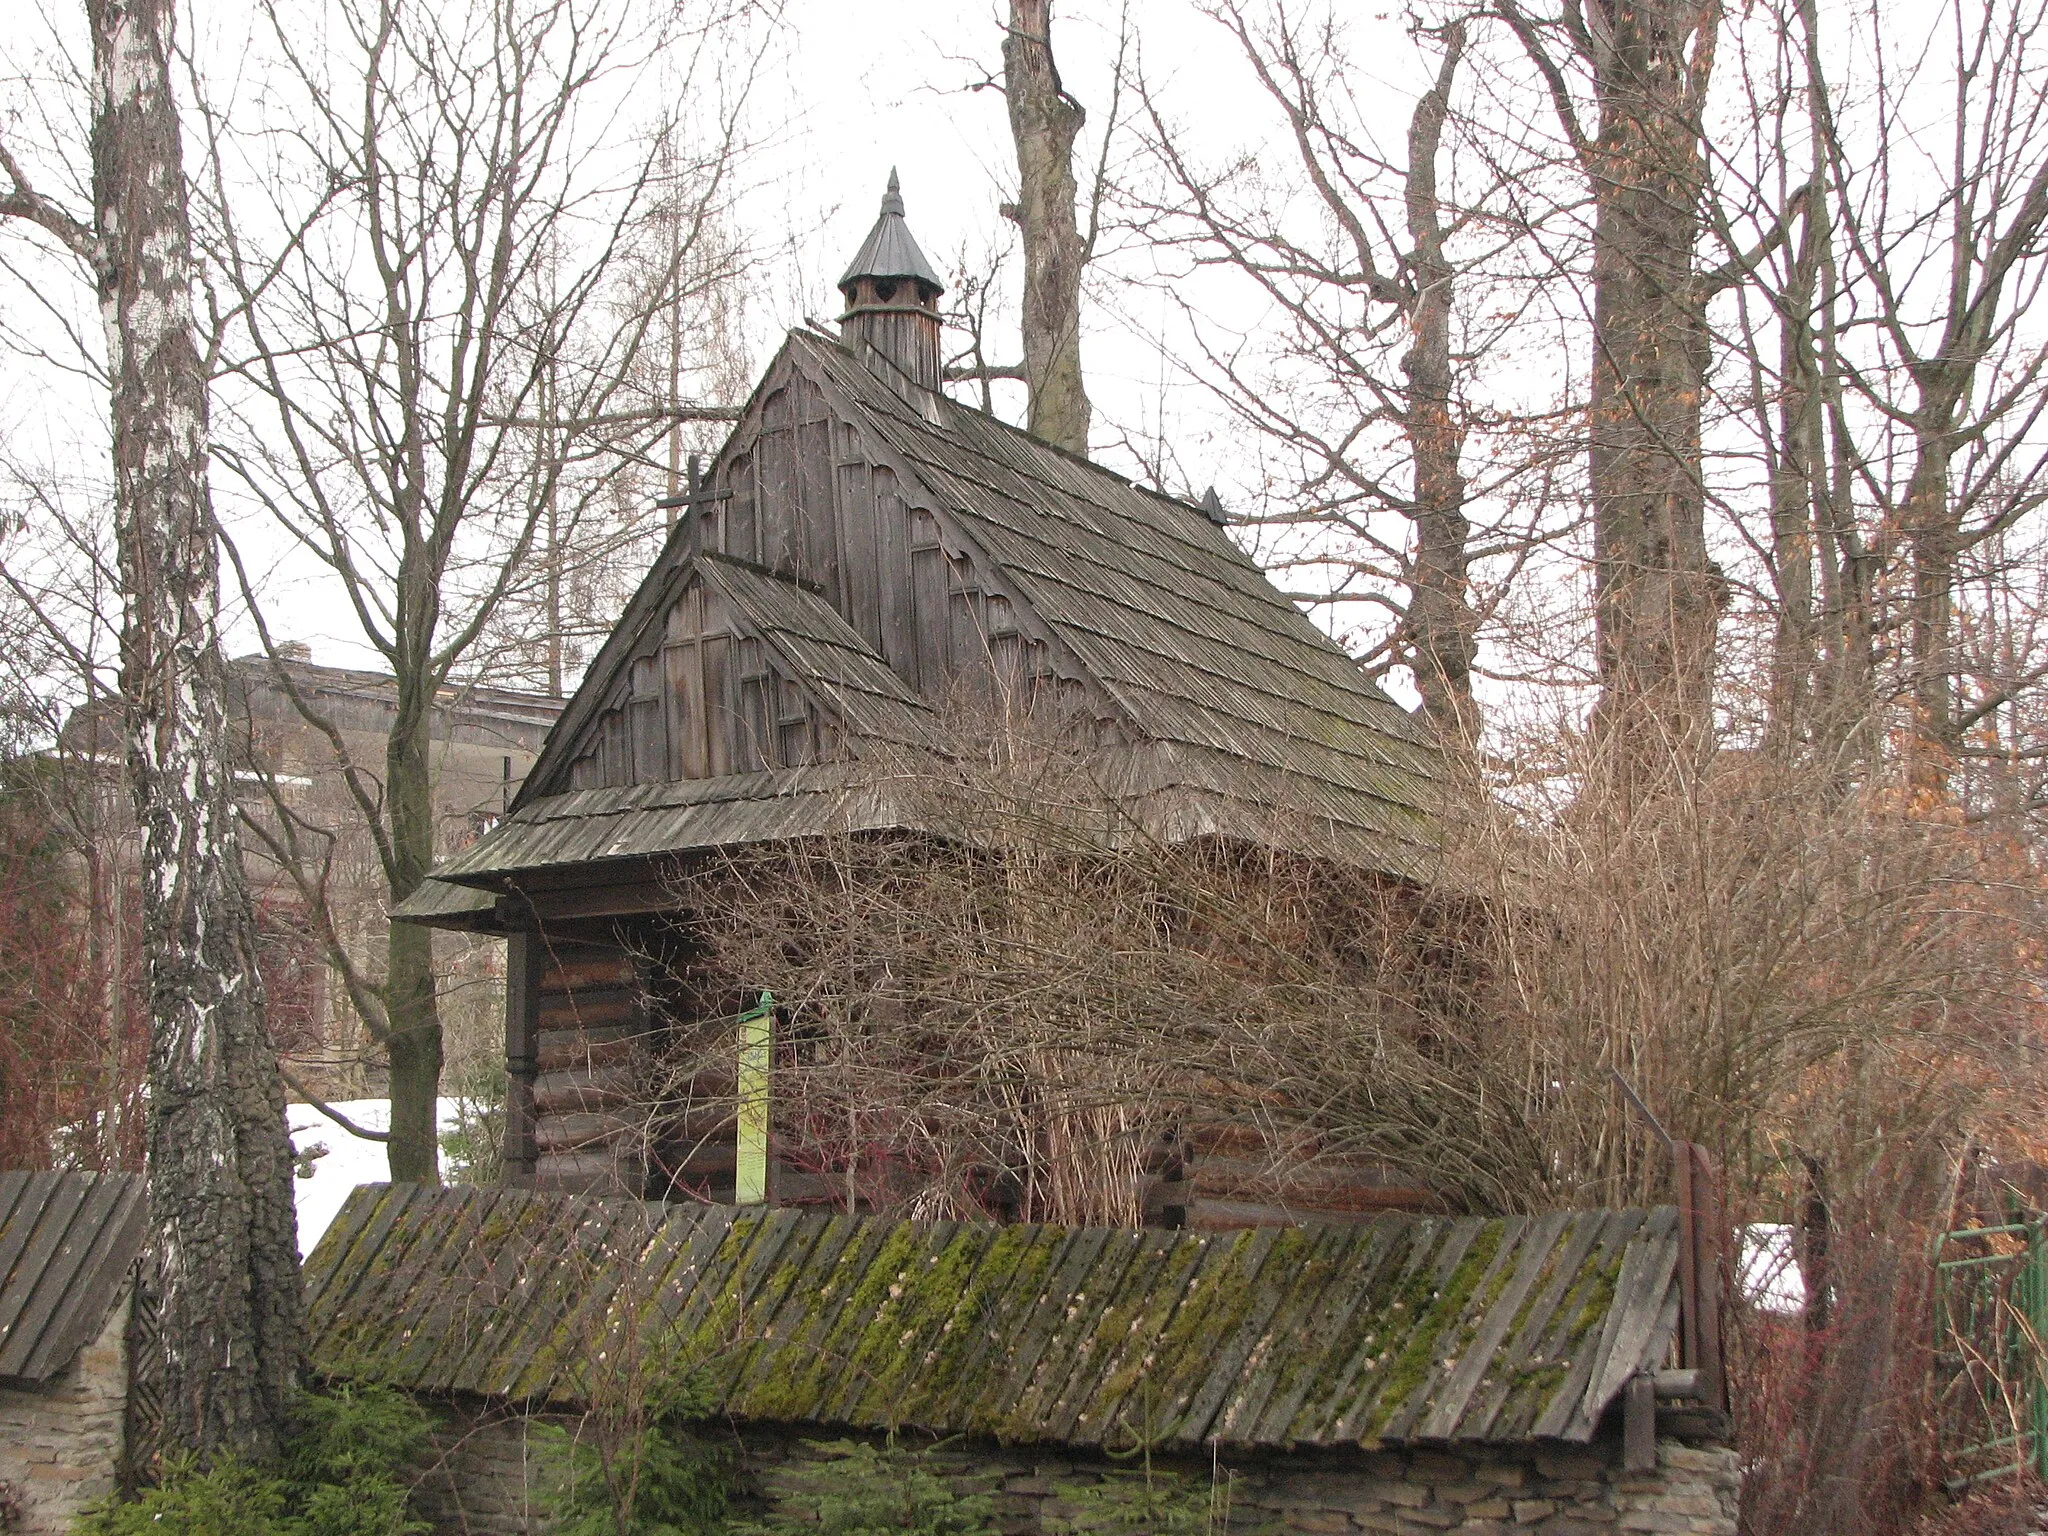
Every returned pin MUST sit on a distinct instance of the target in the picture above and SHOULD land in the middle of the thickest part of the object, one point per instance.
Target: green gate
(1990, 1326)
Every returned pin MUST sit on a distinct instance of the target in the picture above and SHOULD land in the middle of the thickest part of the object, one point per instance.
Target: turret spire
(892, 293)
(890, 250)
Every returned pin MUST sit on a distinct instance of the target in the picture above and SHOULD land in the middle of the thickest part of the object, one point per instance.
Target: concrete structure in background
(295, 774)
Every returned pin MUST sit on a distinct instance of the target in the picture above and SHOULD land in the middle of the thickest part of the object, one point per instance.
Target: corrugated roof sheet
(68, 1242)
(1403, 1329)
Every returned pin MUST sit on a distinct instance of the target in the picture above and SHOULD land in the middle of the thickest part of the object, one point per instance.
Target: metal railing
(1991, 1374)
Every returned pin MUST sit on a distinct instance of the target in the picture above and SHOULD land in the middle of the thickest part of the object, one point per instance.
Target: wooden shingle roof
(820, 647)
(1238, 717)
(1403, 1329)
(1177, 624)
(68, 1242)
(634, 821)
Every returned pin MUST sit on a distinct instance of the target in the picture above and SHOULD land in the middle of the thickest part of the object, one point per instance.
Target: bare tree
(1944, 283)
(428, 333)
(1883, 358)
(1646, 68)
(1044, 122)
(602, 524)
(225, 1270)
(1361, 375)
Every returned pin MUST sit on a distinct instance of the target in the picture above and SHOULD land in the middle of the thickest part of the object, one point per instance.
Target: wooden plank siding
(704, 699)
(592, 1040)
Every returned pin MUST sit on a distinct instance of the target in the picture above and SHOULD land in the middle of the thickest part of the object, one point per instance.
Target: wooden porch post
(524, 955)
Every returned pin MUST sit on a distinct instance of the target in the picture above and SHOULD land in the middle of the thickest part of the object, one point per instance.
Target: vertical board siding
(817, 494)
(705, 698)
(778, 514)
(702, 697)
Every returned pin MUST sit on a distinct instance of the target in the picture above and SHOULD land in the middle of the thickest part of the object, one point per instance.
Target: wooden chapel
(863, 552)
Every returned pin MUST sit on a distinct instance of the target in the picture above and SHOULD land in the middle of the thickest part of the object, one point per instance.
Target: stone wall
(60, 1442)
(487, 1478)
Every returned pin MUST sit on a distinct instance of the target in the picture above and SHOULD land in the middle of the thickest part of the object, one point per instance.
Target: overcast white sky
(851, 91)
(869, 88)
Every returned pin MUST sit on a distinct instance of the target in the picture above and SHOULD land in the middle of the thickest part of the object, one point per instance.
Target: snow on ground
(1768, 1275)
(346, 1161)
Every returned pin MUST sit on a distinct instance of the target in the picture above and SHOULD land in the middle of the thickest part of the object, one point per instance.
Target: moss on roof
(1404, 1328)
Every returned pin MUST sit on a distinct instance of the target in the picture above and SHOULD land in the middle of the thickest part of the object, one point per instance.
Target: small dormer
(892, 302)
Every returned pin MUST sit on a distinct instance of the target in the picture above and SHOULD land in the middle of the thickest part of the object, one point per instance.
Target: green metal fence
(1991, 1322)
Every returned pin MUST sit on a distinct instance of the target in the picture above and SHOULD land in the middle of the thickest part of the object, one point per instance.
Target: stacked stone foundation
(60, 1440)
(490, 1474)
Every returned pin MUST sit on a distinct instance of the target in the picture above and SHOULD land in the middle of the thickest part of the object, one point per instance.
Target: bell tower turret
(892, 301)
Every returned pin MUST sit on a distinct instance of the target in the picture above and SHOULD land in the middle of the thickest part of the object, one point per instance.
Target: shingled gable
(1214, 706)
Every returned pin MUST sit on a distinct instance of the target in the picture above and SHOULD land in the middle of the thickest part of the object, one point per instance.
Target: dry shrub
(73, 1033)
(2016, 1507)
(1834, 1420)
(1779, 964)
(1833, 986)
(1029, 1008)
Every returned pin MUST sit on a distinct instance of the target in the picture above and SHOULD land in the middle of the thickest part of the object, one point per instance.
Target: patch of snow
(1768, 1275)
(345, 1160)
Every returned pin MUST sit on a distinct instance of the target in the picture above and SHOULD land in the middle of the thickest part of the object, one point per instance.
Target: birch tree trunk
(224, 1235)
(1044, 121)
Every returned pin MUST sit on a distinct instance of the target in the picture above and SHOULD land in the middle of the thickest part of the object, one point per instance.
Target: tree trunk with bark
(1656, 591)
(1798, 489)
(1044, 122)
(225, 1268)
(1928, 522)
(411, 1006)
(1443, 630)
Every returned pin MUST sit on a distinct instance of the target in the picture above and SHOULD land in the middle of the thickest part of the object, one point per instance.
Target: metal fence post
(2033, 1300)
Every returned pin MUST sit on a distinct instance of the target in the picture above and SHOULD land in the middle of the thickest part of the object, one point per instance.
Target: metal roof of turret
(890, 250)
